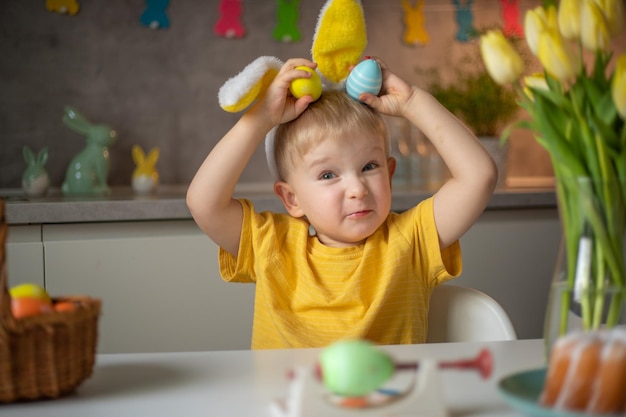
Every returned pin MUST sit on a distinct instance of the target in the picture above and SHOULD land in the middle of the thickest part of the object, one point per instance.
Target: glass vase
(588, 291)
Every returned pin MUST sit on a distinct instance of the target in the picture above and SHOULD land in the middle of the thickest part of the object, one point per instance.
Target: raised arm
(210, 194)
(461, 200)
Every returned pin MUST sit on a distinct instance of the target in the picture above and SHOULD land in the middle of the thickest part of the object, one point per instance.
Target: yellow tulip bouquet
(577, 113)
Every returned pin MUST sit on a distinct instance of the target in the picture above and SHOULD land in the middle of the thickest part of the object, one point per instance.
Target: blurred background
(158, 87)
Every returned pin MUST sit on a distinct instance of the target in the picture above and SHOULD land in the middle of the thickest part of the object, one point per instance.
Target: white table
(243, 383)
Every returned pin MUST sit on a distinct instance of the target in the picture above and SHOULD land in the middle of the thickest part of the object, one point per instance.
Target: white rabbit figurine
(88, 172)
(145, 176)
(35, 180)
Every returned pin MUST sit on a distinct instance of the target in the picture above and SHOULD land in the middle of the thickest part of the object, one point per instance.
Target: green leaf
(553, 140)
(555, 97)
(605, 109)
(591, 93)
(606, 131)
(577, 96)
(601, 61)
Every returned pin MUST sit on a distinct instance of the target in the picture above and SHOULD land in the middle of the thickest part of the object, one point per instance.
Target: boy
(339, 264)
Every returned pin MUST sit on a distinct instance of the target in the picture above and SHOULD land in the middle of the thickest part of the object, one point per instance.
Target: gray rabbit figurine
(35, 180)
(88, 172)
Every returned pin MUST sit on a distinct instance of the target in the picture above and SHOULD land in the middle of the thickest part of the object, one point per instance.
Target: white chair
(461, 314)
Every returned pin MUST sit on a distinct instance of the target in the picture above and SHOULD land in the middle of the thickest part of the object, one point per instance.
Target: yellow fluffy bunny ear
(241, 90)
(340, 39)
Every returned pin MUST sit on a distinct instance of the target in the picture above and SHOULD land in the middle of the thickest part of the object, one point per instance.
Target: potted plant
(483, 105)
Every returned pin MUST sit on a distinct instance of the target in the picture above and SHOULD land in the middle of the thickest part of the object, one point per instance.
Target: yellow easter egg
(301, 87)
(30, 291)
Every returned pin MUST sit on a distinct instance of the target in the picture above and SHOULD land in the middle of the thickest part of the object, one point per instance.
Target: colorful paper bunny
(145, 177)
(229, 24)
(286, 29)
(465, 20)
(510, 15)
(154, 15)
(88, 172)
(35, 180)
(70, 7)
(415, 30)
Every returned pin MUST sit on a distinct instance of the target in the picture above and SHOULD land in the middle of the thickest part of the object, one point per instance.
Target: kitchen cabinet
(510, 255)
(25, 257)
(161, 290)
(159, 284)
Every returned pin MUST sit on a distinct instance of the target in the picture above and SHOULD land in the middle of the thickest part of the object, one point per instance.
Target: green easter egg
(354, 368)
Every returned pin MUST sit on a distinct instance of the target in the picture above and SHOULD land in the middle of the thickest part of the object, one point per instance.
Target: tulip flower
(556, 55)
(571, 114)
(502, 61)
(613, 11)
(569, 19)
(533, 25)
(618, 86)
(536, 81)
(537, 21)
(594, 34)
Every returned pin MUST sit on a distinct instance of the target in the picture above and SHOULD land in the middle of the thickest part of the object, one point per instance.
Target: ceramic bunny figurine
(35, 180)
(88, 171)
(145, 176)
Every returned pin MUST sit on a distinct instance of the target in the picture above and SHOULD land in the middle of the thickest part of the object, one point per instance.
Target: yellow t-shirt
(310, 295)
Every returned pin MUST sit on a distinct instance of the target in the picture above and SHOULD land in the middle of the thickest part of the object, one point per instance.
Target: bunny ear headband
(338, 44)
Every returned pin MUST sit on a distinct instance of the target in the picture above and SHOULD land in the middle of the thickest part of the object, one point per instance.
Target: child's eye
(370, 166)
(327, 176)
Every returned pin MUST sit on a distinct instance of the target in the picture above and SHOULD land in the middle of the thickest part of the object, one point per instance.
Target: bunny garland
(229, 24)
(286, 29)
(465, 20)
(155, 16)
(69, 7)
(415, 28)
(510, 15)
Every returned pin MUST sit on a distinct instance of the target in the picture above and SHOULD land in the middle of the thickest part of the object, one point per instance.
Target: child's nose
(357, 187)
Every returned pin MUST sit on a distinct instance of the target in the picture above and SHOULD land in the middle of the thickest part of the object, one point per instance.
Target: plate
(521, 391)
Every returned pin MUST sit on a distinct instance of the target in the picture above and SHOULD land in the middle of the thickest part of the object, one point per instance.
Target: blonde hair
(331, 117)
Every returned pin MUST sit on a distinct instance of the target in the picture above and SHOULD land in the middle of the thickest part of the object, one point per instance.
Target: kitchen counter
(168, 203)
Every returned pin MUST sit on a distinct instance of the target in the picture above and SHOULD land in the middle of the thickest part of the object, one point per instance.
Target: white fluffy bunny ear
(241, 90)
(340, 39)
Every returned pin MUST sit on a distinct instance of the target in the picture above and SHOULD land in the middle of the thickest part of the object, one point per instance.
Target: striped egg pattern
(366, 77)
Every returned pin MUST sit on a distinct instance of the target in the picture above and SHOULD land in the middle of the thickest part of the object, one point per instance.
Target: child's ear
(391, 163)
(287, 196)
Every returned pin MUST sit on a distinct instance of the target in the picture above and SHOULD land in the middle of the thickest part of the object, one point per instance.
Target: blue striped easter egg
(366, 77)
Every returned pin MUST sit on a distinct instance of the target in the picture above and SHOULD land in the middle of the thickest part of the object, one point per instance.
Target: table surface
(244, 383)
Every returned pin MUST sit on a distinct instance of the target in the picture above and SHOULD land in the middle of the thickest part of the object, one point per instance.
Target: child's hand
(394, 94)
(278, 105)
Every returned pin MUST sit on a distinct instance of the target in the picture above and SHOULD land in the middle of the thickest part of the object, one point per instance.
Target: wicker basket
(48, 355)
